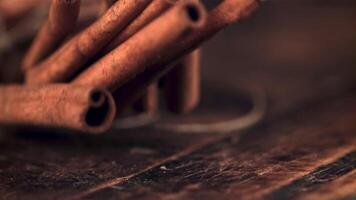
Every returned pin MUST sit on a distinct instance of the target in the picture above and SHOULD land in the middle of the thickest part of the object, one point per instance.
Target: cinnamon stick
(62, 18)
(71, 57)
(145, 47)
(84, 108)
(149, 101)
(182, 84)
(153, 10)
(226, 13)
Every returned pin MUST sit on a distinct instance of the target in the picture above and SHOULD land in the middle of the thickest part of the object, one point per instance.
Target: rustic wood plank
(42, 166)
(253, 166)
(343, 188)
(327, 176)
(290, 57)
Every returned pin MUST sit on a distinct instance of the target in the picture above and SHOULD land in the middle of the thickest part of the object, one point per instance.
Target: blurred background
(293, 49)
(301, 53)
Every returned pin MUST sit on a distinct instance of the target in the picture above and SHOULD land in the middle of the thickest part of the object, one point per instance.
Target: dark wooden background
(302, 53)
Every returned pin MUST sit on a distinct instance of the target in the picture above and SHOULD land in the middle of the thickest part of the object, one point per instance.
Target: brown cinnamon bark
(226, 13)
(62, 18)
(153, 10)
(72, 56)
(149, 101)
(182, 84)
(84, 108)
(145, 47)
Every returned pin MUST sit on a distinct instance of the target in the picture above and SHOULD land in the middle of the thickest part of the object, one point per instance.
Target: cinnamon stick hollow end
(83, 108)
(133, 56)
(100, 113)
(226, 13)
(195, 13)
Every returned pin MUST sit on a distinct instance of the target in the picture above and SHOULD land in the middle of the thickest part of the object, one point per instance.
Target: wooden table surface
(301, 53)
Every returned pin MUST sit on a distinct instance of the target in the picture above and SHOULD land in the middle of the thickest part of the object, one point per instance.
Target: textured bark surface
(304, 149)
(73, 55)
(84, 108)
(62, 19)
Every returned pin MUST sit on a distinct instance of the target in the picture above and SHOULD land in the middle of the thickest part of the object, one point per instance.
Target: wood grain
(329, 176)
(253, 166)
(343, 188)
(305, 64)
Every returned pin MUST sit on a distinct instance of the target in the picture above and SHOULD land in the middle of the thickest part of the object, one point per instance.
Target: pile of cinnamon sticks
(84, 79)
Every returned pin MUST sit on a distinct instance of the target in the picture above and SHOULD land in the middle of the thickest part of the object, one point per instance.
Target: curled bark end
(101, 111)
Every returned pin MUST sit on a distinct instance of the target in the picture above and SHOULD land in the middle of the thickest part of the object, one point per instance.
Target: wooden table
(301, 53)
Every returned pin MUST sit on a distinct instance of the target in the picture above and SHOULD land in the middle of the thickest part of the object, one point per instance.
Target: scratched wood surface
(301, 53)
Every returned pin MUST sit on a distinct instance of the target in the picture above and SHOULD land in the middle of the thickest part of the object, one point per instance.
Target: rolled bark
(153, 10)
(226, 13)
(182, 84)
(84, 108)
(72, 56)
(148, 102)
(63, 15)
(145, 47)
